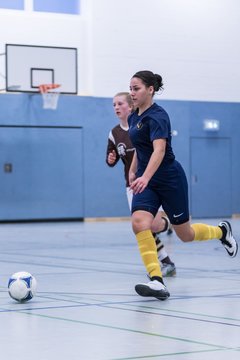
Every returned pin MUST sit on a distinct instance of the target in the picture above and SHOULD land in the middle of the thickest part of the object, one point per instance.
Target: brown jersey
(119, 141)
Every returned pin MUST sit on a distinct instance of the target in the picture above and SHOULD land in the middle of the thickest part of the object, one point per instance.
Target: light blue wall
(57, 6)
(13, 4)
(187, 117)
(103, 187)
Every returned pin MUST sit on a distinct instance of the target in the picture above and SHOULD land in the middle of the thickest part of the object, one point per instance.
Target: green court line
(169, 354)
(185, 312)
(100, 303)
(219, 347)
(134, 305)
(162, 314)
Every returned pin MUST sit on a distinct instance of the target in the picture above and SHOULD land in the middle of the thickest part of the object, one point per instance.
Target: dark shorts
(169, 189)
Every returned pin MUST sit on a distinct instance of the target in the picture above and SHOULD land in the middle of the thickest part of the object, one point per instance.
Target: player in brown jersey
(120, 147)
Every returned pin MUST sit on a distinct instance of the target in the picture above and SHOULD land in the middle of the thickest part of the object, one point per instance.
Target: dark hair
(150, 79)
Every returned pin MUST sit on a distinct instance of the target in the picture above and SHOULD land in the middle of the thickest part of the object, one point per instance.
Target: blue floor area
(86, 307)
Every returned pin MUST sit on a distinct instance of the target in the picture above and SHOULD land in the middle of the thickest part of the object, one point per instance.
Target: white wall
(47, 29)
(193, 44)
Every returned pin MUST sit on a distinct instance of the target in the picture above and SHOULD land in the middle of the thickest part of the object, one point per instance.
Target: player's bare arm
(155, 161)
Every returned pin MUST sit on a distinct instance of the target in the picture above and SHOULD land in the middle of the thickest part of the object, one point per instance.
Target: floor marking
(125, 329)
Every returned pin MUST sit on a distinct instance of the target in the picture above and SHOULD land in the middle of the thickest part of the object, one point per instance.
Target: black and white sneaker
(227, 239)
(153, 288)
(168, 270)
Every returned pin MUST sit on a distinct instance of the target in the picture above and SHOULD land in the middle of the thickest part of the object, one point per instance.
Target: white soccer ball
(22, 286)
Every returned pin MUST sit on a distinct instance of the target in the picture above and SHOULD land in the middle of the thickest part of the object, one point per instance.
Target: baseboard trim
(109, 219)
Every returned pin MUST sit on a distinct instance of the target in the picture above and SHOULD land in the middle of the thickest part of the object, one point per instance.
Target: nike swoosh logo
(176, 216)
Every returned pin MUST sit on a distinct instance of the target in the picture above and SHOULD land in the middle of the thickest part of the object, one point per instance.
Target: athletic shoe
(153, 288)
(227, 239)
(168, 270)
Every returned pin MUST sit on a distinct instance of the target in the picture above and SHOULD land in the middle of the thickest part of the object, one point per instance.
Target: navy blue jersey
(168, 186)
(152, 124)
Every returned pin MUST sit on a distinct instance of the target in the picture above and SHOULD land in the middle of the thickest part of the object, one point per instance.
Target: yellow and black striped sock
(148, 251)
(206, 232)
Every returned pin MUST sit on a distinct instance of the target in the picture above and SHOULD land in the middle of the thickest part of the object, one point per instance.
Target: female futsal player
(120, 147)
(156, 179)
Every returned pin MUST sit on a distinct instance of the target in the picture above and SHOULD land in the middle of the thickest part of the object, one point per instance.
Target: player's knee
(140, 222)
(156, 228)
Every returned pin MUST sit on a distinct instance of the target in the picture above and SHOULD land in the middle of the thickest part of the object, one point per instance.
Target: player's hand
(112, 156)
(131, 177)
(139, 185)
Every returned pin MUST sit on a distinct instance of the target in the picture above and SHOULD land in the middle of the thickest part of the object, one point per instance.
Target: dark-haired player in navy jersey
(156, 179)
(120, 147)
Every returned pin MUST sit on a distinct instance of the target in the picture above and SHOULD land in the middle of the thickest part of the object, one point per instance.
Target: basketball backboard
(29, 66)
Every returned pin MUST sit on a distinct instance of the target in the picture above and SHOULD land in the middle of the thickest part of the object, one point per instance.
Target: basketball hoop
(50, 95)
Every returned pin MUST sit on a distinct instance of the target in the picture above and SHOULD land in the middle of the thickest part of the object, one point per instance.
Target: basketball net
(50, 95)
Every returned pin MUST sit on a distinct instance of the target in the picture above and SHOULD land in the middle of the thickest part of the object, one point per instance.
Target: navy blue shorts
(169, 189)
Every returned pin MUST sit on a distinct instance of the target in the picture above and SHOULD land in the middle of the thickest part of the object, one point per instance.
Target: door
(210, 181)
(41, 173)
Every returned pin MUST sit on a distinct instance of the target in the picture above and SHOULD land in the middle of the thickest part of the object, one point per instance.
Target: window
(13, 4)
(57, 6)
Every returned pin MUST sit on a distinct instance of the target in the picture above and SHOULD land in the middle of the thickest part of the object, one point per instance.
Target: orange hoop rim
(45, 88)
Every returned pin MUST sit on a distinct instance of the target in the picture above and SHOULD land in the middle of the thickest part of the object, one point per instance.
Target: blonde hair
(127, 97)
